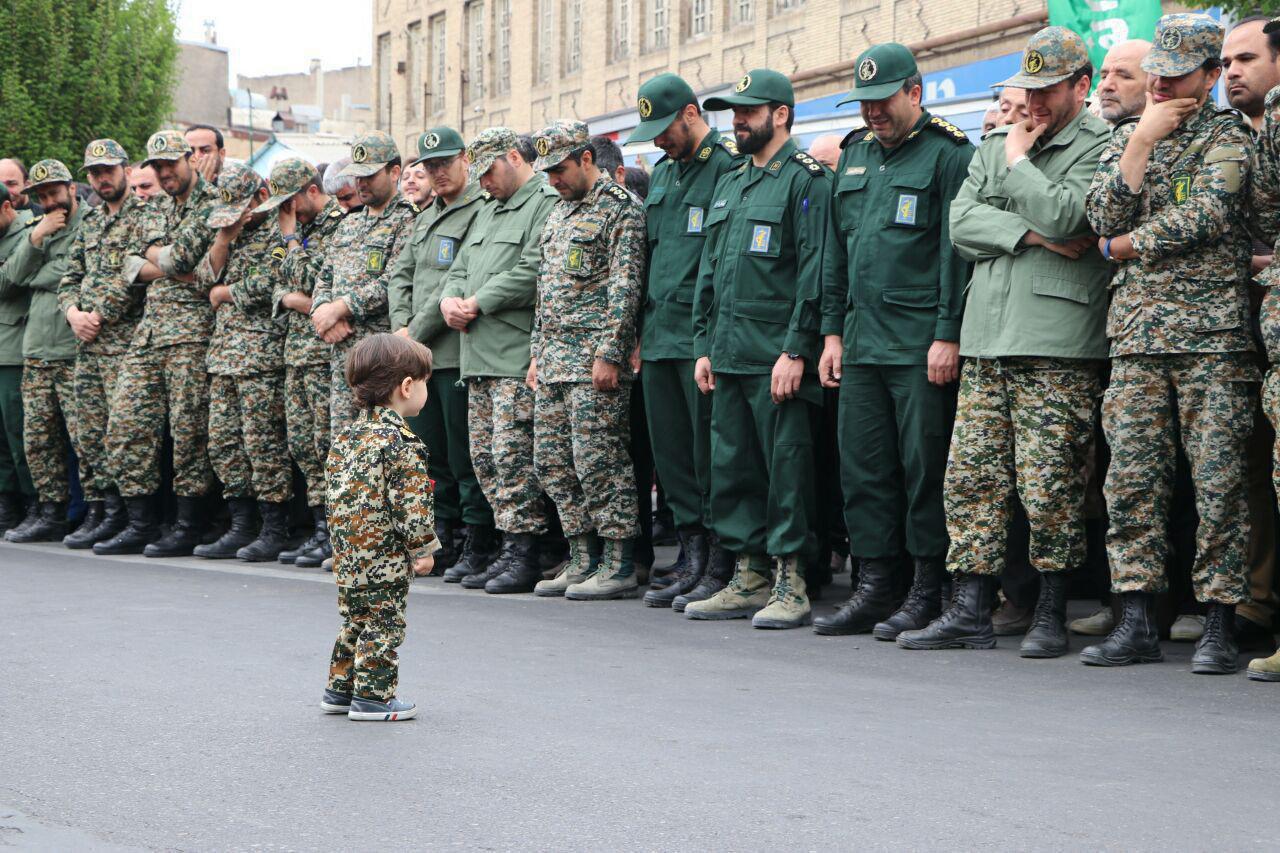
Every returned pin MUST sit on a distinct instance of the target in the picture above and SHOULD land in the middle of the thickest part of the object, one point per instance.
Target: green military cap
(439, 142)
(237, 184)
(166, 145)
(491, 144)
(880, 71)
(660, 101)
(761, 86)
(104, 152)
(1182, 44)
(370, 153)
(558, 141)
(48, 172)
(288, 178)
(1052, 55)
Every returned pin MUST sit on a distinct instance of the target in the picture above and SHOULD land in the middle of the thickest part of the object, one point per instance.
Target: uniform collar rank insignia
(704, 153)
(775, 165)
(870, 136)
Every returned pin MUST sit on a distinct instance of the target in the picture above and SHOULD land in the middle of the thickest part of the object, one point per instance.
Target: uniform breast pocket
(909, 197)
(442, 249)
(764, 231)
(376, 251)
(693, 218)
(851, 197)
(653, 210)
(584, 256)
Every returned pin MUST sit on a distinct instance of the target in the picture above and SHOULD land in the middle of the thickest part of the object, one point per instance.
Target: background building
(200, 87)
(337, 100)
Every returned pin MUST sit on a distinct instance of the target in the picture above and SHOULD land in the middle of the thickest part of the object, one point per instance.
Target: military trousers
(895, 429)
(15, 475)
(1204, 401)
(500, 419)
(442, 426)
(96, 382)
(1023, 424)
(247, 442)
(49, 420)
(306, 416)
(1262, 473)
(364, 660)
(581, 458)
(158, 384)
(679, 417)
(763, 496)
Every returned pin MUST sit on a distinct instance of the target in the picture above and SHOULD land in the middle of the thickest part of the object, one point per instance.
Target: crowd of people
(896, 345)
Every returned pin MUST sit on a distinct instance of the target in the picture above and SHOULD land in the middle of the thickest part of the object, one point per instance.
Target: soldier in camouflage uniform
(1169, 202)
(103, 308)
(308, 220)
(247, 443)
(349, 300)
(48, 347)
(18, 503)
(584, 332)
(164, 375)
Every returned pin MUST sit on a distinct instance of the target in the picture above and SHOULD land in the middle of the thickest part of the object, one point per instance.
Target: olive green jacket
(13, 305)
(38, 271)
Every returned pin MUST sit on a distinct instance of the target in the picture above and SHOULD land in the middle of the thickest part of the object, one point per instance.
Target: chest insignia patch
(444, 254)
(721, 203)
(694, 223)
(374, 261)
(760, 238)
(1181, 188)
(856, 170)
(906, 214)
(573, 260)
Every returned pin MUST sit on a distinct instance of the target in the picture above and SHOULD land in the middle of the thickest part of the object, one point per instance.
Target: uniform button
(882, 168)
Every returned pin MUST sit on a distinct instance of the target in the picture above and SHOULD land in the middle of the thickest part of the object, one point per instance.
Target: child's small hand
(423, 566)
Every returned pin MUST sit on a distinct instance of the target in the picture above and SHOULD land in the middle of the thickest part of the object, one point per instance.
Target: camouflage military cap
(1052, 55)
(491, 144)
(1182, 44)
(558, 141)
(104, 152)
(48, 172)
(439, 142)
(288, 178)
(166, 145)
(370, 153)
(237, 184)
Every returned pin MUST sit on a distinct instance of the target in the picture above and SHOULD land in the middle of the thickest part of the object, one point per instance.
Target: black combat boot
(872, 600)
(1217, 653)
(288, 555)
(141, 531)
(50, 525)
(12, 512)
(923, 603)
(1134, 639)
(505, 560)
(185, 534)
(30, 515)
(965, 624)
(522, 571)
(695, 552)
(449, 534)
(662, 576)
(1047, 635)
(478, 552)
(115, 518)
(93, 515)
(238, 535)
(273, 536)
(323, 549)
(719, 571)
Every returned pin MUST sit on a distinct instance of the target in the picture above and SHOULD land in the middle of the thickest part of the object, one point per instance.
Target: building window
(546, 39)
(384, 81)
(621, 29)
(502, 28)
(787, 5)
(413, 63)
(474, 14)
(699, 18)
(659, 24)
(573, 37)
(743, 11)
(439, 68)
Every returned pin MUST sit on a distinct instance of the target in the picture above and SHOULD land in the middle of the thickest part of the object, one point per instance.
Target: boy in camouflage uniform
(584, 332)
(1169, 202)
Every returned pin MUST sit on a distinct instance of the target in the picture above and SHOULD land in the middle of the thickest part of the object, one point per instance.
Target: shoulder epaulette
(33, 221)
(729, 144)
(814, 167)
(744, 166)
(618, 192)
(947, 129)
(279, 253)
(1236, 115)
(337, 213)
(857, 135)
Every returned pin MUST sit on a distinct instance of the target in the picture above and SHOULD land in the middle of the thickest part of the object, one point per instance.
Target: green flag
(1103, 24)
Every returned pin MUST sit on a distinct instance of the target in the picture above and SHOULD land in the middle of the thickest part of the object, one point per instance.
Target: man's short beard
(117, 192)
(757, 138)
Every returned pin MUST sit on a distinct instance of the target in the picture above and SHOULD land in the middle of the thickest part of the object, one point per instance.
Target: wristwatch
(793, 355)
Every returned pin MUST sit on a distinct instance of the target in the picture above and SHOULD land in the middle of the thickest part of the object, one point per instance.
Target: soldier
(892, 301)
(755, 337)
(696, 156)
(489, 294)
(415, 185)
(103, 308)
(144, 183)
(1169, 203)
(164, 375)
(308, 219)
(341, 187)
(48, 348)
(349, 301)
(1029, 389)
(414, 295)
(589, 284)
(207, 150)
(18, 502)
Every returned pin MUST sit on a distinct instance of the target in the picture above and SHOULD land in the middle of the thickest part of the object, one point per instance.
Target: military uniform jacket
(760, 279)
(38, 271)
(358, 263)
(298, 272)
(589, 284)
(498, 265)
(247, 338)
(1026, 300)
(1187, 291)
(892, 282)
(381, 504)
(14, 303)
(418, 277)
(1264, 208)
(96, 280)
(676, 221)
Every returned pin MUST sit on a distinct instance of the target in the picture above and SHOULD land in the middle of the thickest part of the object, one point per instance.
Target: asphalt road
(172, 705)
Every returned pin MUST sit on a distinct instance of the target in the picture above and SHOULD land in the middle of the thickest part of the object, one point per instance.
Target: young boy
(382, 525)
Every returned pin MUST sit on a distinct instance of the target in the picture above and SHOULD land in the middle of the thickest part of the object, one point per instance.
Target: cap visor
(227, 214)
(177, 155)
(362, 170)
(878, 92)
(550, 162)
(435, 155)
(90, 164)
(728, 102)
(650, 129)
(477, 169)
(1026, 81)
(1164, 63)
(275, 201)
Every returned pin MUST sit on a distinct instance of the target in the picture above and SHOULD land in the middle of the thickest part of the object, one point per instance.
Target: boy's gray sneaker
(382, 712)
(335, 702)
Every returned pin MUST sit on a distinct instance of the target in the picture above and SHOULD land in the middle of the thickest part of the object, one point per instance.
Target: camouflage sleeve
(1217, 194)
(629, 241)
(517, 287)
(835, 268)
(21, 265)
(410, 500)
(205, 273)
(810, 222)
(1112, 208)
(1054, 209)
(982, 231)
(115, 296)
(953, 269)
(1264, 189)
(323, 290)
(535, 329)
(189, 245)
(69, 287)
(370, 297)
(258, 286)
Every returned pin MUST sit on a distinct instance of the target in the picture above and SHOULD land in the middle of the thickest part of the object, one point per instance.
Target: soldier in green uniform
(414, 293)
(18, 502)
(1169, 201)
(892, 302)
(679, 417)
(48, 347)
(756, 323)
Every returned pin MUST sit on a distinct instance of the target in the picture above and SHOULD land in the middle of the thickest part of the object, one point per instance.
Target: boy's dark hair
(379, 363)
